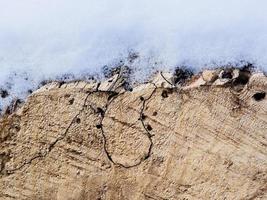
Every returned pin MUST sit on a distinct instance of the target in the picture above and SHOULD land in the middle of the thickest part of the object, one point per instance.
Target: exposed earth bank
(203, 139)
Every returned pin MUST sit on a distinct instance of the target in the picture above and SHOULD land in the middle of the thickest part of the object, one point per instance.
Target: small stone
(209, 75)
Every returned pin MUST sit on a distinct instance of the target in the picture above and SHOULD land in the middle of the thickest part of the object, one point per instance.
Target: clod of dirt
(181, 74)
(78, 120)
(149, 128)
(71, 101)
(227, 74)
(164, 94)
(98, 126)
(4, 93)
(239, 82)
(259, 96)
(243, 78)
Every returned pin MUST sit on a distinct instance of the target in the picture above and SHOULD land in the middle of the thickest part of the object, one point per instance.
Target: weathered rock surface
(205, 140)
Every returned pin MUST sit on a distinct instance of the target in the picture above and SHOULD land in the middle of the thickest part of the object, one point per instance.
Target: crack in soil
(111, 98)
(52, 145)
(147, 133)
(166, 80)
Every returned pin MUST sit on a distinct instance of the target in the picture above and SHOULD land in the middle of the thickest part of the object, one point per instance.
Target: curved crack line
(149, 135)
(111, 98)
(147, 131)
(166, 80)
(52, 145)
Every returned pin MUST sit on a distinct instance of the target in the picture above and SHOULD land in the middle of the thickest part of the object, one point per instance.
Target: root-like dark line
(147, 133)
(143, 123)
(112, 97)
(166, 79)
(52, 145)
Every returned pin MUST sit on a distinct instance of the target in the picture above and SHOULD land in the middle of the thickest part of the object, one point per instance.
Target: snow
(45, 39)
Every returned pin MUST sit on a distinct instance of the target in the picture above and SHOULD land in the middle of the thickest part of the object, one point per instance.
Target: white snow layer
(45, 39)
